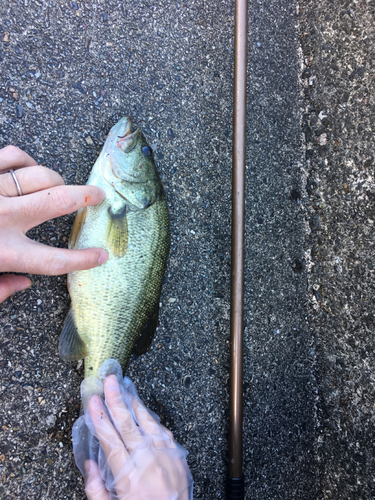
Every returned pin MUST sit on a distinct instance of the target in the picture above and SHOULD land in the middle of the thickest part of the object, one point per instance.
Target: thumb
(11, 283)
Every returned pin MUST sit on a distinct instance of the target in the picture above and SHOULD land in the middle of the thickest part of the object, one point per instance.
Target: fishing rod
(235, 480)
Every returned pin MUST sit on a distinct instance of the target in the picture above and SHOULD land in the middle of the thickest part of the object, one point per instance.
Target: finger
(34, 209)
(28, 256)
(162, 437)
(110, 441)
(122, 416)
(10, 284)
(94, 487)
(12, 157)
(30, 179)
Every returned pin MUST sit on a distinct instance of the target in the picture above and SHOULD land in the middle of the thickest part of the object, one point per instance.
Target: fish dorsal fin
(117, 233)
(143, 342)
(71, 346)
(77, 227)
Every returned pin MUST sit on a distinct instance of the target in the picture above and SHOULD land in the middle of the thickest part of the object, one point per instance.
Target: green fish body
(114, 307)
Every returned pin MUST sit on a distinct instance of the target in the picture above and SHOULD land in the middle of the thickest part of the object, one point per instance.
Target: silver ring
(16, 182)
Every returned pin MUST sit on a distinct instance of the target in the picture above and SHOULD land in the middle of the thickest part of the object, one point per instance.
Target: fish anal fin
(117, 233)
(71, 346)
(77, 227)
(144, 341)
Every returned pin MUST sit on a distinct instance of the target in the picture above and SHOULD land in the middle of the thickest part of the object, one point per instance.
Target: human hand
(44, 196)
(132, 456)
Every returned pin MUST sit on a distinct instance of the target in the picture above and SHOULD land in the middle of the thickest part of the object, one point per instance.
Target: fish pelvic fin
(77, 227)
(143, 343)
(71, 346)
(117, 232)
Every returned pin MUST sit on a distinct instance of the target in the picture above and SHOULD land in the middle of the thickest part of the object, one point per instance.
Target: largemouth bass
(114, 307)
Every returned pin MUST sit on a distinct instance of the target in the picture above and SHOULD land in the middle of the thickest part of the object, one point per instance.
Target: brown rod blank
(238, 232)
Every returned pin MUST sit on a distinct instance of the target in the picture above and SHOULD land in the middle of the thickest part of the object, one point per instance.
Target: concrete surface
(69, 70)
(338, 121)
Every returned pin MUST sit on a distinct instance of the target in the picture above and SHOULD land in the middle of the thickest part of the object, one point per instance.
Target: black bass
(114, 307)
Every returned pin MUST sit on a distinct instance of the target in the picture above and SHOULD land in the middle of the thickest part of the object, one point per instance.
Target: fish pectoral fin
(77, 227)
(144, 341)
(71, 346)
(117, 233)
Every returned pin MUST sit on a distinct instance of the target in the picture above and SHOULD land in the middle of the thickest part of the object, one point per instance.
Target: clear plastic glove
(120, 446)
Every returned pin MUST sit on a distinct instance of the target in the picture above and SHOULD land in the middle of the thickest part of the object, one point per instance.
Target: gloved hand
(120, 446)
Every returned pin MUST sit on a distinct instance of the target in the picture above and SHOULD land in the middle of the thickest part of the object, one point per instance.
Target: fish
(114, 307)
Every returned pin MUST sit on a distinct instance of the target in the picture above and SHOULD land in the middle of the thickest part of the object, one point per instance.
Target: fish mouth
(127, 141)
(127, 127)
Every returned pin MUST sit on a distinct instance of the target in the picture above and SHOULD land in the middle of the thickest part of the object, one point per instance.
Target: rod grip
(235, 488)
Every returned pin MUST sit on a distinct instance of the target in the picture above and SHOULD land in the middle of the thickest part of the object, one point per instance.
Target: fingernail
(102, 194)
(103, 257)
(96, 403)
(23, 287)
(111, 383)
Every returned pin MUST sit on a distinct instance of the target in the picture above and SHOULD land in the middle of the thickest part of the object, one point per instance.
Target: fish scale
(113, 303)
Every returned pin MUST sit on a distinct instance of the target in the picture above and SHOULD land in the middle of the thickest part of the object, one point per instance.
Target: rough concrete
(338, 121)
(69, 70)
(280, 384)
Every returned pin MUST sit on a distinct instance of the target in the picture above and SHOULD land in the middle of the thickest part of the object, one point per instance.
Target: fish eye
(146, 150)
